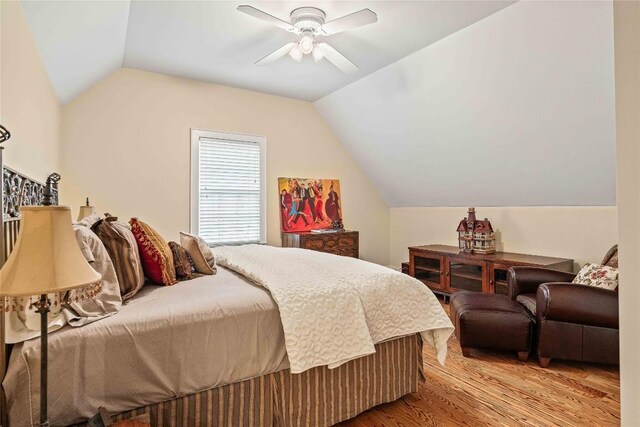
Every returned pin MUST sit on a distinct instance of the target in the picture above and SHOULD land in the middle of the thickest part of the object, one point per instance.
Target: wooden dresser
(445, 270)
(339, 243)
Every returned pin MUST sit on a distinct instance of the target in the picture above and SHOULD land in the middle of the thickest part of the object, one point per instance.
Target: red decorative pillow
(155, 253)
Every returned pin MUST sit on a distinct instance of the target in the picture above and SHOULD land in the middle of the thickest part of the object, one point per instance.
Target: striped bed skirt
(317, 397)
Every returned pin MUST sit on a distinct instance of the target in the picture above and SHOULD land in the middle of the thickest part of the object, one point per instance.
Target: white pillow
(598, 275)
(108, 301)
(25, 324)
(88, 221)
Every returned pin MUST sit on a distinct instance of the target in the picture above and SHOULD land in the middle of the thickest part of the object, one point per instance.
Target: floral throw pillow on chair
(600, 276)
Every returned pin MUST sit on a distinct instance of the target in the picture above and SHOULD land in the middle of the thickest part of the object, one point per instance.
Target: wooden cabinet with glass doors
(445, 270)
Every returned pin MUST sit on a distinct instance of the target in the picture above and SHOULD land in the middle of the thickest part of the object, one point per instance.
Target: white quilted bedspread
(334, 308)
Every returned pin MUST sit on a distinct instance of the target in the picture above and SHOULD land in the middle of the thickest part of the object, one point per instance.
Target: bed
(210, 351)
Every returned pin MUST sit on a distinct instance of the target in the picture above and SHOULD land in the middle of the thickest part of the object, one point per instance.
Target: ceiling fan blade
(264, 16)
(337, 59)
(348, 22)
(276, 54)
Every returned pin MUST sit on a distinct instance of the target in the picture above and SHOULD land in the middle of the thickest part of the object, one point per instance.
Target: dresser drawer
(341, 243)
(329, 241)
(318, 243)
(351, 251)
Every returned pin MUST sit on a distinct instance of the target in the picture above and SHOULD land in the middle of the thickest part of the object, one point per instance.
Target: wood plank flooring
(494, 389)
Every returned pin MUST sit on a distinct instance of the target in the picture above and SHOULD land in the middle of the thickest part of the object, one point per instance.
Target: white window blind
(230, 188)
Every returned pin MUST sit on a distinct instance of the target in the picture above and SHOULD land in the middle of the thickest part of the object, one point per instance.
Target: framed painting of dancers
(308, 203)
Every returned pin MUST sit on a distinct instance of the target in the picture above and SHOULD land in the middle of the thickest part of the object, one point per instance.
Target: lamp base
(42, 307)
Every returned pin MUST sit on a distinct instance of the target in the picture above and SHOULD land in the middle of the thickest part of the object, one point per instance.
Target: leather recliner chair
(573, 322)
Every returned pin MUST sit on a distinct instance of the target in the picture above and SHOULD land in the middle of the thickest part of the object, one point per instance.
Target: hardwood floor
(494, 389)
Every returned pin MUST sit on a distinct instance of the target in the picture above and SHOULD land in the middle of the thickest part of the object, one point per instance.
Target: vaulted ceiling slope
(83, 41)
(517, 109)
(80, 42)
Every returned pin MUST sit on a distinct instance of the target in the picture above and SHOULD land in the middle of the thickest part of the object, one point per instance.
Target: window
(228, 187)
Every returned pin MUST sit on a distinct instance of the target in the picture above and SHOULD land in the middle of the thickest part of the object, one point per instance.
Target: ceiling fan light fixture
(306, 43)
(318, 54)
(296, 53)
(309, 22)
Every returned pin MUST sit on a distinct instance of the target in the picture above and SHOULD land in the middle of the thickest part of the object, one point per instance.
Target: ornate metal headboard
(17, 190)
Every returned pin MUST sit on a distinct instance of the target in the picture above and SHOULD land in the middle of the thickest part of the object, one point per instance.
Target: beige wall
(127, 144)
(28, 105)
(581, 233)
(627, 62)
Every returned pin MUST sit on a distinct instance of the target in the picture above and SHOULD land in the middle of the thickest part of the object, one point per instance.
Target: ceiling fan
(309, 23)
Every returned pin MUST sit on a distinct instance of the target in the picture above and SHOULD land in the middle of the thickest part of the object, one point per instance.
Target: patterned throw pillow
(200, 252)
(122, 247)
(598, 275)
(183, 263)
(155, 253)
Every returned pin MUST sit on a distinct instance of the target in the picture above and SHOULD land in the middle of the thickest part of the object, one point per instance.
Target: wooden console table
(445, 270)
(339, 243)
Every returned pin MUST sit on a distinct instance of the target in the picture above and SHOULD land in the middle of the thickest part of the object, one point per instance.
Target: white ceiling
(517, 109)
(81, 42)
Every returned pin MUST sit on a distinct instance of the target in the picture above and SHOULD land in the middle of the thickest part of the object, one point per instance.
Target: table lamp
(86, 210)
(46, 262)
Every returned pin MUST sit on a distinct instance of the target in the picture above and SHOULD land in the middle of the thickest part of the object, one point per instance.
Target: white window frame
(196, 135)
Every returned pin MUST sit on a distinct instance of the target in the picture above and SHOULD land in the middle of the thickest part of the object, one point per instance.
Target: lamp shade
(85, 211)
(46, 257)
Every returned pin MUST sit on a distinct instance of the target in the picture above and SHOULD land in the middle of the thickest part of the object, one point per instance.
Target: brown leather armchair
(573, 322)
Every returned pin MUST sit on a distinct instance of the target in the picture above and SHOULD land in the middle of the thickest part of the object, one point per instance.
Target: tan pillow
(598, 275)
(199, 252)
(123, 250)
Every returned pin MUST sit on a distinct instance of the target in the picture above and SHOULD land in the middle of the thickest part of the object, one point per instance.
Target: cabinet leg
(466, 351)
(544, 362)
(523, 356)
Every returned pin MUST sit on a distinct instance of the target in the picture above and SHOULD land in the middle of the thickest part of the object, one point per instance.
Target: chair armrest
(581, 304)
(525, 280)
